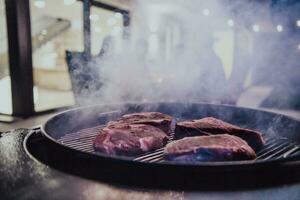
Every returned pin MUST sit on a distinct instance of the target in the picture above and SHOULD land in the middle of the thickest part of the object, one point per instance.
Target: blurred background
(56, 26)
(250, 53)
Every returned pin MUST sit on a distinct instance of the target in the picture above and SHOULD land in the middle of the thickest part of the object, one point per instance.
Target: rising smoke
(184, 51)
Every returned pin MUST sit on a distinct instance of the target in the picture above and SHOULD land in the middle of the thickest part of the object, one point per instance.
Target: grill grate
(275, 147)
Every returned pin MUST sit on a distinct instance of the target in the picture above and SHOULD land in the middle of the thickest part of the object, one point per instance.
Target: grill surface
(275, 147)
(68, 146)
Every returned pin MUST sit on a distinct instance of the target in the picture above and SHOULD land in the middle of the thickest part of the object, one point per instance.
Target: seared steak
(222, 147)
(159, 120)
(210, 125)
(129, 139)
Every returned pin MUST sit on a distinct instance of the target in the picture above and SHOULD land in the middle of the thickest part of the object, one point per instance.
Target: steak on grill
(157, 119)
(222, 147)
(129, 139)
(210, 125)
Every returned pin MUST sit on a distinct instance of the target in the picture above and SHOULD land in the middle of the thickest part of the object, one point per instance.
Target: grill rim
(290, 160)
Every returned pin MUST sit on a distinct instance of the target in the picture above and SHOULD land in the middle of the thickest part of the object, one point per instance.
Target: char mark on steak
(157, 119)
(196, 149)
(211, 126)
(129, 139)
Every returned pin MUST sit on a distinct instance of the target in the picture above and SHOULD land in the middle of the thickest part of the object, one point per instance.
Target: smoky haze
(195, 51)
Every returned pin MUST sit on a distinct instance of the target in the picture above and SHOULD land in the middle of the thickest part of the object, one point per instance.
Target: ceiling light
(94, 17)
(230, 22)
(279, 28)
(39, 4)
(44, 32)
(206, 12)
(118, 15)
(256, 28)
(69, 2)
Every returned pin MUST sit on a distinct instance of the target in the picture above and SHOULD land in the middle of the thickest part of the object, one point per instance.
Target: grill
(65, 142)
(275, 147)
(70, 136)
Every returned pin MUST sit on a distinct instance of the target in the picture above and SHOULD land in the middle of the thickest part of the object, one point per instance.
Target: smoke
(196, 51)
(169, 56)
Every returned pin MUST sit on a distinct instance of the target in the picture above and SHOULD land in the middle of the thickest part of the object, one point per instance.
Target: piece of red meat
(157, 119)
(210, 125)
(129, 139)
(222, 147)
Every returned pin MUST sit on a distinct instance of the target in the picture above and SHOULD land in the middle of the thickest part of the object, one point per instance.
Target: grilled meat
(157, 119)
(222, 147)
(210, 125)
(129, 139)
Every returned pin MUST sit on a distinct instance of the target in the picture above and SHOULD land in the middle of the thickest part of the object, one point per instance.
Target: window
(5, 86)
(57, 26)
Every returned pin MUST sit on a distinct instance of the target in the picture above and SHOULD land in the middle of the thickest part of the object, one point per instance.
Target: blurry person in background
(273, 61)
(210, 84)
(107, 47)
(214, 84)
(285, 62)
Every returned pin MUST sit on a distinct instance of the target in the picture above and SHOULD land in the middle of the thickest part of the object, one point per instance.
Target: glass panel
(56, 27)
(268, 57)
(5, 87)
(105, 24)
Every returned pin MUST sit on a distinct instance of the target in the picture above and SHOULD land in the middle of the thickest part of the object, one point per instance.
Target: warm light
(279, 28)
(118, 15)
(98, 30)
(230, 22)
(40, 4)
(44, 32)
(298, 23)
(94, 17)
(206, 12)
(256, 28)
(69, 2)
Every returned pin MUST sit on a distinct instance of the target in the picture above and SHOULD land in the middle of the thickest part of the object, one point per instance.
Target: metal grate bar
(149, 155)
(275, 147)
(153, 154)
(154, 158)
(270, 144)
(278, 153)
(80, 140)
(84, 133)
(293, 151)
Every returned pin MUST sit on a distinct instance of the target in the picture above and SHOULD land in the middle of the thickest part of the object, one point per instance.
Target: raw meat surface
(157, 119)
(222, 147)
(129, 139)
(212, 126)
